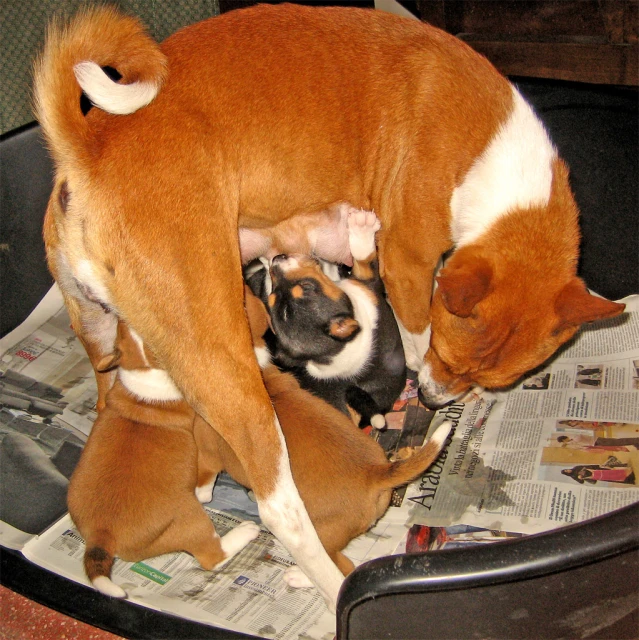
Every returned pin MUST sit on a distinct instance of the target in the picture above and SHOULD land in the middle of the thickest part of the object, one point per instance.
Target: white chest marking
(356, 353)
(513, 172)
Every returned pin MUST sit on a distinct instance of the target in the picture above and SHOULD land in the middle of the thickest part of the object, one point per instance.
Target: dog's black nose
(279, 258)
(428, 402)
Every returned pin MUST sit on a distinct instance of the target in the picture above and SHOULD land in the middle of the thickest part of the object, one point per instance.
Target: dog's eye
(308, 286)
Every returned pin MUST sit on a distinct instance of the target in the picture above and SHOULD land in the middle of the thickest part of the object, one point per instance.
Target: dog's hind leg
(94, 325)
(193, 319)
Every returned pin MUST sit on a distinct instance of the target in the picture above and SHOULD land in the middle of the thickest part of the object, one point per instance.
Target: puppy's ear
(109, 362)
(343, 328)
(575, 305)
(463, 285)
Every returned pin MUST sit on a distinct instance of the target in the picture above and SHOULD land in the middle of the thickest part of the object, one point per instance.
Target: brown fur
(488, 285)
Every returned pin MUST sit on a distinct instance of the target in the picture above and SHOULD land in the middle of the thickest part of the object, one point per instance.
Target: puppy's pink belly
(323, 235)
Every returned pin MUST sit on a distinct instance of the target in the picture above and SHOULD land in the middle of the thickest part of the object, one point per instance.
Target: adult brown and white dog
(256, 116)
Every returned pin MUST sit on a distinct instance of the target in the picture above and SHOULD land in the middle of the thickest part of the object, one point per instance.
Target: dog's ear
(575, 305)
(109, 362)
(343, 328)
(463, 285)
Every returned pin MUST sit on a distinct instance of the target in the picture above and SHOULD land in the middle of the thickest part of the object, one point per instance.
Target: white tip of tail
(441, 433)
(110, 96)
(108, 587)
(378, 421)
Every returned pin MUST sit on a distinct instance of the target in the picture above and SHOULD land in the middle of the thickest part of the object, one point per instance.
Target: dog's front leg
(408, 257)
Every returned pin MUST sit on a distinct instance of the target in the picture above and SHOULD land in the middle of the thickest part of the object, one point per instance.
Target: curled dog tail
(72, 61)
(403, 471)
(98, 561)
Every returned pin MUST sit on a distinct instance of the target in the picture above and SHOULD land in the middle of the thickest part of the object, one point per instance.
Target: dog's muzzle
(431, 393)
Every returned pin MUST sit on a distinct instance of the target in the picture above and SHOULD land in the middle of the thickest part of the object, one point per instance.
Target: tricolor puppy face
(310, 315)
(486, 334)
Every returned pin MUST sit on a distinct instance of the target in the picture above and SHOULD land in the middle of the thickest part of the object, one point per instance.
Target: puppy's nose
(279, 258)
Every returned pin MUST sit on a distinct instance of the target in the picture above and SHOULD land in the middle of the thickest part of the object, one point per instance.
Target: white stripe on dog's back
(513, 172)
(111, 96)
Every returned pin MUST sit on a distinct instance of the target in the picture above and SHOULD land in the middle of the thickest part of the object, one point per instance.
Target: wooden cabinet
(583, 40)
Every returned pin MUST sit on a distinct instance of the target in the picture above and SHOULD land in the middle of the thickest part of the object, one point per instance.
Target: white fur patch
(108, 587)
(111, 96)
(153, 385)
(204, 493)
(86, 274)
(432, 390)
(356, 353)
(235, 540)
(296, 578)
(331, 270)
(441, 433)
(263, 356)
(378, 421)
(140, 345)
(284, 514)
(513, 172)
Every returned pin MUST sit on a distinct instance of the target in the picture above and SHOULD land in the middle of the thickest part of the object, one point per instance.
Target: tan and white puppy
(221, 127)
(132, 493)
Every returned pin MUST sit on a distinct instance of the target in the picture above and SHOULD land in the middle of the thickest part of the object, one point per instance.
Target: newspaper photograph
(560, 447)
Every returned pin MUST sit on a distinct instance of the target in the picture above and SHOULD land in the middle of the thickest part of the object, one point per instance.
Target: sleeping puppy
(132, 493)
(343, 475)
(339, 338)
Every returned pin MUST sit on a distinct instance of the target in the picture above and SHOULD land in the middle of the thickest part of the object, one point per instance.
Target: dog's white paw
(235, 540)
(204, 494)
(362, 227)
(296, 578)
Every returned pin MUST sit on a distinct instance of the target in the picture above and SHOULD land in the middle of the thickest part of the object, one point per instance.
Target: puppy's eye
(308, 286)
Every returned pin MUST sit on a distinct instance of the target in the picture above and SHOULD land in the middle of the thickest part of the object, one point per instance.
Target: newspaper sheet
(561, 447)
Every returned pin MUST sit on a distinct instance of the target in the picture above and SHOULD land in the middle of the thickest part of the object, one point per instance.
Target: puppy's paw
(296, 578)
(362, 227)
(236, 539)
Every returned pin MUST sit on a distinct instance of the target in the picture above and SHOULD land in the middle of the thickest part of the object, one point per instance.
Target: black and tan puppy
(339, 338)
